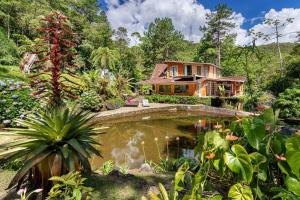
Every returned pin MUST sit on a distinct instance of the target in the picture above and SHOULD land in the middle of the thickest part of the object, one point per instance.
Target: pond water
(131, 140)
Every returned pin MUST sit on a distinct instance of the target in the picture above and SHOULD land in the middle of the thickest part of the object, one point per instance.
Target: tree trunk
(218, 50)
(279, 52)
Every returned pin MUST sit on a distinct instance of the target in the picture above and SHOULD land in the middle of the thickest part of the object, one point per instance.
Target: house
(193, 79)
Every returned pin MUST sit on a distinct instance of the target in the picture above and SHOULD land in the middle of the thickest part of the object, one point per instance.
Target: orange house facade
(193, 79)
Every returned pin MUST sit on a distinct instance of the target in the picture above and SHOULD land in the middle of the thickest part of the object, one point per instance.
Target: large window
(199, 70)
(188, 70)
(174, 71)
(165, 89)
(206, 71)
(181, 88)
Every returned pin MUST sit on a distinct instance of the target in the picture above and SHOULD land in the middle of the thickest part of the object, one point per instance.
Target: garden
(52, 145)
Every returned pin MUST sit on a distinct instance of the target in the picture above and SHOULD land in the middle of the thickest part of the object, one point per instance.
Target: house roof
(187, 62)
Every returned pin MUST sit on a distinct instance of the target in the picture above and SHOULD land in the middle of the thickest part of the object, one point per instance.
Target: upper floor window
(199, 70)
(188, 70)
(174, 71)
(206, 71)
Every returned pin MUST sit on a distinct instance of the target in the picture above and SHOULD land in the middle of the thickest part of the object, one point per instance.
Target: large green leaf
(239, 162)
(257, 159)
(254, 130)
(214, 139)
(293, 185)
(293, 154)
(240, 192)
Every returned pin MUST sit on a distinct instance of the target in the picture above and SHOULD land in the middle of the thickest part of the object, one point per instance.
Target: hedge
(178, 99)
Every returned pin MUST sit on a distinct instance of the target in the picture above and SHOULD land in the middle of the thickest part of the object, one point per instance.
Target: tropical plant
(90, 100)
(107, 167)
(24, 196)
(105, 59)
(55, 50)
(251, 160)
(53, 143)
(123, 169)
(69, 187)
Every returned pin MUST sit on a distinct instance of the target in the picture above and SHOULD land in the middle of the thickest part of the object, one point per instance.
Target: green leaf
(293, 185)
(240, 192)
(239, 162)
(254, 130)
(293, 154)
(163, 192)
(214, 139)
(257, 159)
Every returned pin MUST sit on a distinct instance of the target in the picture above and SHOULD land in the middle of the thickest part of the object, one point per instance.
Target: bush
(113, 104)
(8, 50)
(227, 102)
(178, 99)
(15, 101)
(90, 100)
(289, 103)
(70, 186)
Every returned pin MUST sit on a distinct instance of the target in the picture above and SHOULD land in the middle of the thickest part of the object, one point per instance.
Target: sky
(189, 15)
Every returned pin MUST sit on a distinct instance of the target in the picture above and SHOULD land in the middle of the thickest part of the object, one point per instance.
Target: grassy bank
(124, 187)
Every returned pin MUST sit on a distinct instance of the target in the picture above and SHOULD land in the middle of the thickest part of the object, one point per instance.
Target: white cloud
(188, 16)
(135, 15)
(288, 32)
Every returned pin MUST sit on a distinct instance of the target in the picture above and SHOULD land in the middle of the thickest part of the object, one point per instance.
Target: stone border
(154, 107)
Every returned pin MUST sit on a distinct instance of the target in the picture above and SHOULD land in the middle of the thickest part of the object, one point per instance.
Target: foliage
(8, 51)
(242, 163)
(107, 167)
(123, 169)
(89, 100)
(160, 42)
(178, 99)
(57, 33)
(289, 103)
(23, 193)
(115, 103)
(53, 143)
(15, 101)
(105, 59)
(70, 186)
(14, 165)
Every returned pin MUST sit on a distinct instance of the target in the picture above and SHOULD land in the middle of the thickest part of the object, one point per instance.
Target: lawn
(11, 72)
(117, 187)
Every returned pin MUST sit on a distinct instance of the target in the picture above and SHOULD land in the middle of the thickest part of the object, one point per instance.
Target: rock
(288, 130)
(145, 167)
(6, 122)
(153, 189)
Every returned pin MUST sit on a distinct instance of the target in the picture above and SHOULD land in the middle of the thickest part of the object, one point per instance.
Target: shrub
(289, 103)
(15, 101)
(69, 186)
(90, 100)
(14, 165)
(8, 51)
(107, 167)
(179, 99)
(113, 104)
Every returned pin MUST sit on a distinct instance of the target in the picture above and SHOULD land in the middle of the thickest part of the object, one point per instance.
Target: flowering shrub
(15, 101)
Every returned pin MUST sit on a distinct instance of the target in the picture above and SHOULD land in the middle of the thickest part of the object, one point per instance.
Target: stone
(145, 167)
(153, 189)
(6, 122)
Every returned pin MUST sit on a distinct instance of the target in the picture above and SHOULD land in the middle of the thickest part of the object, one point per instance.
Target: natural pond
(131, 140)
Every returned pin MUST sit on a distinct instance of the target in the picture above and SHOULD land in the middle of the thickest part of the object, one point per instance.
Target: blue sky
(188, 15)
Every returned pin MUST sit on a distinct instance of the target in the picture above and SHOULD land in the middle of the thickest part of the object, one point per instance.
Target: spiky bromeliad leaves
(56, 51)
(53, 144)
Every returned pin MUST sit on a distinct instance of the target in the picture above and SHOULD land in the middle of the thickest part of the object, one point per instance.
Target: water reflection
(130, 142)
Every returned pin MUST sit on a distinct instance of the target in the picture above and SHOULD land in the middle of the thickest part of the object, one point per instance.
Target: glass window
(174, 71)
(188, 70)
(168, 89)
(198, 70)
(206, 71)
(180, 88)
(161, 89)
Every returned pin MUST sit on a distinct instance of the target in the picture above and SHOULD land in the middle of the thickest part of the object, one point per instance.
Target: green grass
(11, 72)
(109, 187)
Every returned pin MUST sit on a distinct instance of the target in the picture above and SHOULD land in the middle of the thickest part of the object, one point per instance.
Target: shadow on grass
(126, 187)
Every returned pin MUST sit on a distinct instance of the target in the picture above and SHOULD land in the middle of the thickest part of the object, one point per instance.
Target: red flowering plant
(55, 50)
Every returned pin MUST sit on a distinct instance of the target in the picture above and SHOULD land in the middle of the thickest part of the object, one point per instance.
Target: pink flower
(232, 137)
(210, 156)
(280, 157)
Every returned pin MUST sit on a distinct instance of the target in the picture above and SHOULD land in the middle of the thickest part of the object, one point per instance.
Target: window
(187, 70)
(174, 71)
(199, 70)
(180, 88)
(206, 71)
(166, 89)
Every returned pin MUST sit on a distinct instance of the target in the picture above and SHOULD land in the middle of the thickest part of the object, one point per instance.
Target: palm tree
(52, 144)
(105, 58)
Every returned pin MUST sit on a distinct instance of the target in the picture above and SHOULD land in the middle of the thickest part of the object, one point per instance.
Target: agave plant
(52, 144)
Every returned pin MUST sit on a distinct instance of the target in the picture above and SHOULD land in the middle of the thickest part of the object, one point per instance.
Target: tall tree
(219, 23)
(160, 42)
(277, 25)
(105, 59)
